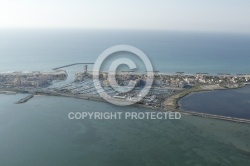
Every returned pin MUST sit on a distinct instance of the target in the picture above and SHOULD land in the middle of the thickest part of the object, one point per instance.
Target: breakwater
(72, 65)
(226, 118)
(7, 92)
(27, 98)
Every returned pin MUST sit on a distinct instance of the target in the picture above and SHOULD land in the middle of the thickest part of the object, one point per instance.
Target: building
(85, 68)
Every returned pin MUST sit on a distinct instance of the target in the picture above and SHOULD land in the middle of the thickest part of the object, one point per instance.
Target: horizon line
(124, 29)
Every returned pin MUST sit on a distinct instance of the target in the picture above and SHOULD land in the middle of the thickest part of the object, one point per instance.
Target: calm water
(234, 103)
(40, 133)
(168, 51)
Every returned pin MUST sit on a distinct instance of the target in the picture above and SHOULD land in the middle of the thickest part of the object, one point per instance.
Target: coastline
(171, 103)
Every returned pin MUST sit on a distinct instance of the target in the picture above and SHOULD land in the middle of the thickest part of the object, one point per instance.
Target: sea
(39, 132)
(169, 52)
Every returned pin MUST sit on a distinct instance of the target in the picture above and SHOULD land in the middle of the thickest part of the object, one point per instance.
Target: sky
(187, 15)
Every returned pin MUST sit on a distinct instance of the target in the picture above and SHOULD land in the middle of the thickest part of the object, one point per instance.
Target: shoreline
(173, 101)
(174, 98)
(202, 115)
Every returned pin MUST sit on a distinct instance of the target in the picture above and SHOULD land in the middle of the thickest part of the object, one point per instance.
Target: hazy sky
(202, 15)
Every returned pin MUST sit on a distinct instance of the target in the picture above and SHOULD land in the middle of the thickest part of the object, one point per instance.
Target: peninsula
(164, 94)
